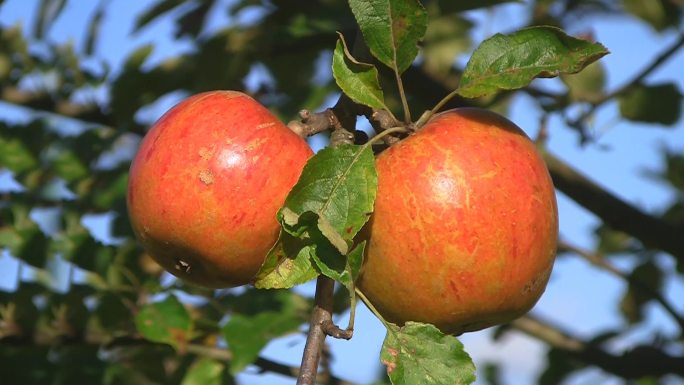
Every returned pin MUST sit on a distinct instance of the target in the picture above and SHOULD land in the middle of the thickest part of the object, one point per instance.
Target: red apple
(465, 225)
(206, 184)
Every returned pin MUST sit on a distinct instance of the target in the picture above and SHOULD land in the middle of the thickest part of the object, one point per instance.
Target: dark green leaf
(420, 354)
(94, 29)
(68, 166)
(204, 371)
(48, 12)
(660, 14)
(137, 58)
(24, 239)
(286, 265)
(512, 61)
(560, 365)
(446, 37)
(247, 335)
(15, 156)
(451, 6)
(154, 12)
(660, 104)
(357, 80)
(587, 85)
(167, 322)
(391, 29)
(647, 275)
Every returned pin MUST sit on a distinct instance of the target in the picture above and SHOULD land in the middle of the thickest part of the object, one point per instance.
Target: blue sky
(579, 297)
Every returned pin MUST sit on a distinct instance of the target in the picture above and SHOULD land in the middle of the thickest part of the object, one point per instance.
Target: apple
(206, 183)
(465, 225)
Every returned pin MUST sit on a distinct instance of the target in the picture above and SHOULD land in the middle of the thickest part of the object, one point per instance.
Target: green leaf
(166, 322)
(660, 14)
(446, 37)
(646, 275)
(587, 85)
(15, 156)
(48, 12)
(357, 80)
(286, 265)
(247, 335)
(341, 268)
(68, 166)
(94, 29)
(451, 6)
(154, 12)
(512, 61)
(204, 371)
(660, 104)
(338, 184)
(138, 57)
(391, 29)
(419, 353)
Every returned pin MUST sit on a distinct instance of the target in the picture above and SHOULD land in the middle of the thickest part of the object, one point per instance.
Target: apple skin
(465, 225)
(206, 183)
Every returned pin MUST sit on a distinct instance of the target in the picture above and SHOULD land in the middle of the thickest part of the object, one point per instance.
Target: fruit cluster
(463, 234)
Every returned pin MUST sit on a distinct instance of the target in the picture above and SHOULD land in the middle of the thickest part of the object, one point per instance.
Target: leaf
(286, 265)
(357, 80)
(138, 57)
(446, 37)
(204, 371)
(512, 61)
(94, 27)
(322, 213)
(166, 322)
(451, 6)
(587, 85)
(247, 335)
(48, 12)
(646, 275)
(391, 29)
(154, 12)
(341, 268)
(660, 14)
(419, 353)
(338, 184)
(660, 104)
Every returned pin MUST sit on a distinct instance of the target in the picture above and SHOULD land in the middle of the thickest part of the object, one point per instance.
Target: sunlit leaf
(391, 29)
(204, 371)
(357, 80)
(420, 354)
(506, 62)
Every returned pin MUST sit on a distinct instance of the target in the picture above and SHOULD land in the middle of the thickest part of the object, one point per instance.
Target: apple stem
(426, 116)
(372, 308)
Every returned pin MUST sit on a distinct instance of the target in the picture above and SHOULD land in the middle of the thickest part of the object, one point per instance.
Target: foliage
(100, 301)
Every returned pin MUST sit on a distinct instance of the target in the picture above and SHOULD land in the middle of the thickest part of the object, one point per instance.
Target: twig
(322, 313)
(634, 282)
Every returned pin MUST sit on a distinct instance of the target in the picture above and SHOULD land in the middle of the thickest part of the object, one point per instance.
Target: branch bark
(641, 361)
(653, 232)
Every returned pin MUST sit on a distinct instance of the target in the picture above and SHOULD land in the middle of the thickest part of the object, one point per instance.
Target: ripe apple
(206, 184)
(465, 225)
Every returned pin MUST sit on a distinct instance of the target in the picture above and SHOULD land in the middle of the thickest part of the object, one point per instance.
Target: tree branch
(322, 313)
(653, 232)
(638, 78)
(598, 261)
(641, 361)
